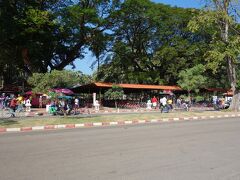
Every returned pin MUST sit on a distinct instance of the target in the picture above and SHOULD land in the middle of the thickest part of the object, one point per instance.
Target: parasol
(63, 90)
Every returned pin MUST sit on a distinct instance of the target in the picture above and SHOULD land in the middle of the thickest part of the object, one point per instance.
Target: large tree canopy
(40, 35)
(152, 44)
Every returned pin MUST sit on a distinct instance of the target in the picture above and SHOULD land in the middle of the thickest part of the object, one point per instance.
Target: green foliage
(134, 41)
(38, 35)
(223, 19)
(152, 44)
(27, 38)
(36, 20)
(199, 98)
(224, 43)
(43, 82)
(115, 93)
(203, 21)
(52, 95)
(192, 79)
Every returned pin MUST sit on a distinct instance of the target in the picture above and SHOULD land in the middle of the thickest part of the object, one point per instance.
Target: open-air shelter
(136, 91)
(139, 91)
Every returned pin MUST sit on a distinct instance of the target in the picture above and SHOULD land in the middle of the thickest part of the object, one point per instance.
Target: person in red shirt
(13, 105)
(154, 102)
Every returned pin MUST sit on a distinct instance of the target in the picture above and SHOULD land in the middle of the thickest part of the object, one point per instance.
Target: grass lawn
(54, 120)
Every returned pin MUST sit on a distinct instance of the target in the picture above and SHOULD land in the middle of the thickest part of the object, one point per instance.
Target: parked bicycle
(5, 113)
(10, 113)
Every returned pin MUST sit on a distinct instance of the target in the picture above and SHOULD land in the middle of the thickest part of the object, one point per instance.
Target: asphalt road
(193, 150)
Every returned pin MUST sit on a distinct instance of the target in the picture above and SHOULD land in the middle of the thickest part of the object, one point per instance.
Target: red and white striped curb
(116, 123)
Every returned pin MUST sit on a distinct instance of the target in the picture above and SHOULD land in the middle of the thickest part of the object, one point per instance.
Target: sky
(84, 64)
(182, 3)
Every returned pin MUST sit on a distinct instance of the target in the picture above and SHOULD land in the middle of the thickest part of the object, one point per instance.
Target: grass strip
(54, 120)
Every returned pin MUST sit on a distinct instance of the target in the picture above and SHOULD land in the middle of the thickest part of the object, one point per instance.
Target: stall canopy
(63, 90)
(99, 86)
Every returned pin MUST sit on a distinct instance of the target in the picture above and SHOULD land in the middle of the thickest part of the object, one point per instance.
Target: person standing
(20, 101)
(13, 105)
(169, 102)
(40, 102)
(6, 102)
(154, 102)
(28, 105)
(2, 98)
(178, 102)
(149, 104)
(76, 105)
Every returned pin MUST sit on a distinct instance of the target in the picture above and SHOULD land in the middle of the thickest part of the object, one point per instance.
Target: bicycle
(19, 112)
(7, 113)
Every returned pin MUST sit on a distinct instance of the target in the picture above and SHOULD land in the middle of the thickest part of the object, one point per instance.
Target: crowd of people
(71, 105)
(23, 103)
(13, 103)
(64, 106)
(165, 104)
(220, 103)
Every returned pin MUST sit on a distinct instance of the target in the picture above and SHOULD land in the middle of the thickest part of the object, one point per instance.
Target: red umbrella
(30, 93)
(63, 90)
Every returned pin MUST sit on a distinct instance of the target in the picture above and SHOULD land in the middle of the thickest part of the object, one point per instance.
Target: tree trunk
(231, 65)
(189, 97)
(233, 80)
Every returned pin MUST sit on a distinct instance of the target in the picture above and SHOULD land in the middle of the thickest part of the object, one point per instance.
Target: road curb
(115, 123)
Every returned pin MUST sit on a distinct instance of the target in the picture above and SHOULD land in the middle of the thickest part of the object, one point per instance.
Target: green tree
(131, 30)
(151, 44)
(220, 20)
(43, 82)
(115, 93)
(27, 33)
(192, 79)
(38, 35)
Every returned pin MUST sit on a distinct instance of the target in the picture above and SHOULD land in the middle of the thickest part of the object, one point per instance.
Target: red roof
(139, 86)
(229, 93)
(216, 89)
(93, 87)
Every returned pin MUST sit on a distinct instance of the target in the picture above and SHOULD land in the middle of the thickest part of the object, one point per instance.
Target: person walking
(169, 102)
(13, 105)
(20, 102)
(163, 102)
